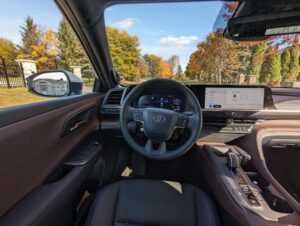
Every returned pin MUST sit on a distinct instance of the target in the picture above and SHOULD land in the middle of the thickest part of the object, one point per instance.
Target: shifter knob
(233, 160)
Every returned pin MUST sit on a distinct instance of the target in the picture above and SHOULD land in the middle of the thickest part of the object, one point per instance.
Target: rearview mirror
(260, 19)
(56, 83)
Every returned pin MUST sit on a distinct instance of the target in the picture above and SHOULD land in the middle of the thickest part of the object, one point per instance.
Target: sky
(13, 13)
(164, 29)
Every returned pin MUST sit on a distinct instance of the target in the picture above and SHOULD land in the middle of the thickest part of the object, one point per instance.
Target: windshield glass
(184, 41)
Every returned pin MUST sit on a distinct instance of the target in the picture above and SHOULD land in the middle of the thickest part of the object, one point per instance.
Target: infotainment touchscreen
(234, 98)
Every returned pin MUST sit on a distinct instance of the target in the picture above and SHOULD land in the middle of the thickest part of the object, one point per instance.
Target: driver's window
(40, 56)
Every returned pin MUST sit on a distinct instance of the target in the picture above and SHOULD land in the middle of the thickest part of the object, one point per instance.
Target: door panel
(32, 147)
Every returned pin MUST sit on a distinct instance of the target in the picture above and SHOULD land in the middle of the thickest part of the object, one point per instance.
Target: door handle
(78, 125)
(77, 121)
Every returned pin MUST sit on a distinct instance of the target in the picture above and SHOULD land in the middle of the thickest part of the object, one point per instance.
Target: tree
(244, 57)
(67, 44)
(143, 68)
(180, 75)
(257, 58)
(154, 63)
(31, 35)
(216, 57)
(46, 52)
(275, 69)
(294, 63)
(265, 76)
(82, 59)
(125, 53)
(194, 68)
(179, 70)
(285, 63)
(8, 50)
(229, 8)
(71, 51)
(174, 61)
(165, 69)
(271, 70)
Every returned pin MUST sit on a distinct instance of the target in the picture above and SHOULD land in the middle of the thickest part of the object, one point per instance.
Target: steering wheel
(159, 124)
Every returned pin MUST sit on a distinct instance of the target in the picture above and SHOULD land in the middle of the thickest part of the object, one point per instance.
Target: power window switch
(252, 200)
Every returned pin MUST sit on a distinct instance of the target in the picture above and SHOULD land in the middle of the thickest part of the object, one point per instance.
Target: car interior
(156, 153)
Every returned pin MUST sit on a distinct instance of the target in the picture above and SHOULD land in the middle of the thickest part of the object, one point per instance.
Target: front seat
(152, 203)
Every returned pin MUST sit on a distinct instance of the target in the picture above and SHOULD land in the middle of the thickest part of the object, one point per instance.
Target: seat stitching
(209, 203)
(195, 207)
(94, 215)
(116, 203)
(98, 205)
(211, 210)
(96, 210)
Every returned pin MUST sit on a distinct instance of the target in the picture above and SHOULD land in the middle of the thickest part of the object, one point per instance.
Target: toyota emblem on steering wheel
(159, 118)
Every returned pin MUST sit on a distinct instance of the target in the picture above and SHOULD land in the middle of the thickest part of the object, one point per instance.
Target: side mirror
(56, 83)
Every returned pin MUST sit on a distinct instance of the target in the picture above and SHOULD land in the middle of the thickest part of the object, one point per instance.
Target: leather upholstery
(152, 203)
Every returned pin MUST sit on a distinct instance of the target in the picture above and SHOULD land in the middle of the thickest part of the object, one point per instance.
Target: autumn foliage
(218, 60)
(214, 60)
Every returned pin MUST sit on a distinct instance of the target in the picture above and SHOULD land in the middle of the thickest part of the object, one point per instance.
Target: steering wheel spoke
(187, 120)
(155, 148)
(138, 115)
(133, 114)
(182, 121)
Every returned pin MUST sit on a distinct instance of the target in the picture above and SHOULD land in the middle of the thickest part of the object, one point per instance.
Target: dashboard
(212, 98)
(217, 101)
(229, 111)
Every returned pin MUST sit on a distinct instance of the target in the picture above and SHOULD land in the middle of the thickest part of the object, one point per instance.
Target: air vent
(115, 97)
(112, 102)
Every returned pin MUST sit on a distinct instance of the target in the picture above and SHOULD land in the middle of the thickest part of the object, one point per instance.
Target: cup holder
(276, 202)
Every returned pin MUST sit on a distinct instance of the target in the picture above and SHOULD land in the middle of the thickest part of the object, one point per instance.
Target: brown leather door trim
(32, 148)
(18, 113)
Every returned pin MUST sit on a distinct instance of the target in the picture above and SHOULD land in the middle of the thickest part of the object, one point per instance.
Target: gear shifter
(233, 160)
(237, 157)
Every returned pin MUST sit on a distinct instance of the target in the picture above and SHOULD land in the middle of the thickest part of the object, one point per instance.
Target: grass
(17, 96)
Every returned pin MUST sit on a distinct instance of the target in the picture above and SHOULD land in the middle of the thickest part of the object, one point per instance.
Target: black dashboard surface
(227, 123)
(222, 125)
(173, 100)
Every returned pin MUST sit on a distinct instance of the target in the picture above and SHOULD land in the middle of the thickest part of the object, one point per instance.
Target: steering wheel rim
(193, 121)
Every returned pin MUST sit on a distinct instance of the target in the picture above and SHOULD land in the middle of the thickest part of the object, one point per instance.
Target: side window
(40, 56)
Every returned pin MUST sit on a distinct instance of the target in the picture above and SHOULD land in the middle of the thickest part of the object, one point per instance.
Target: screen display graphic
(234, 98)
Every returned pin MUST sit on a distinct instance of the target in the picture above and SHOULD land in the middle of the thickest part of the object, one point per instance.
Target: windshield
(184, 41)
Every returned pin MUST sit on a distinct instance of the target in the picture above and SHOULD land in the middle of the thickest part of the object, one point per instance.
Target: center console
(246, 190)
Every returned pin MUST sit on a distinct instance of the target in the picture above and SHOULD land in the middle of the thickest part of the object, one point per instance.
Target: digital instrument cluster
(171, 102)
